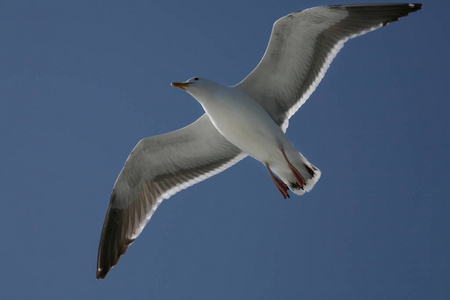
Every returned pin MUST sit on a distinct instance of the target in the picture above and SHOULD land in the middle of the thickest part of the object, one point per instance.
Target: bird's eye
(196, 78)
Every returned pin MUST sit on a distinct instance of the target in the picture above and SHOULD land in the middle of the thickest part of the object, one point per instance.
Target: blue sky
(82, 82)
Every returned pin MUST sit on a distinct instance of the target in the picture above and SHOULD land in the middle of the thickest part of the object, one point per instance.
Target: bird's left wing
(301, 48)
(156, 169)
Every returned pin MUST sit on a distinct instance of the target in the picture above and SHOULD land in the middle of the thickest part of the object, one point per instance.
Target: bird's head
(189, 84)
(200, 88)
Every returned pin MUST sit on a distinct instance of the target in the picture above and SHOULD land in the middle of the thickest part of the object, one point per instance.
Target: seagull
(248, 119)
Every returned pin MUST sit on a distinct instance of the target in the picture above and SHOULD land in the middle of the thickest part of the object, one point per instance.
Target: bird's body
(242, 121)
(248, 126)
(247, 119)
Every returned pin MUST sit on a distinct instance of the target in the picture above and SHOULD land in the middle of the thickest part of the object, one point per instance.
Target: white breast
(244, 123)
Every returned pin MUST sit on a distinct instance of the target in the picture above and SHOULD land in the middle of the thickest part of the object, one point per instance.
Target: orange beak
(180, 85)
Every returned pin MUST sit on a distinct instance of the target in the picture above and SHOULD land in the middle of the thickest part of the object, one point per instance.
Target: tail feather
(309, 172)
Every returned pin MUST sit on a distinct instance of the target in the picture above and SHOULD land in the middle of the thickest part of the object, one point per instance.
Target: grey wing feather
(301, 48)
(157, 168)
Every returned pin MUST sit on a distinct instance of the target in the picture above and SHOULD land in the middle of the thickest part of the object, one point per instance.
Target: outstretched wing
(156, 169)
(301, 48)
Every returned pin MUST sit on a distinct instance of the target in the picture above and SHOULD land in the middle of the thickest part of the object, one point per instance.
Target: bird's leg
(298, 177)
(282, 187)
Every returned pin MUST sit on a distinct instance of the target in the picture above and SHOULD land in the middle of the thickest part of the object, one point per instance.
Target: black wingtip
(101, 273)
(113, 241)
(414, 7)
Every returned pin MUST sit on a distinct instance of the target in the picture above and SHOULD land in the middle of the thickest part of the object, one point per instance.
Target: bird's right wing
(157, 168)
(301, 48)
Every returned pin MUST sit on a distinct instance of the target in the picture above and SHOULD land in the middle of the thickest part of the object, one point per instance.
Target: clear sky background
(82, 82)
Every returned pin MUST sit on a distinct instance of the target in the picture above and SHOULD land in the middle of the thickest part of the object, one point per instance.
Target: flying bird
(249, 118)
